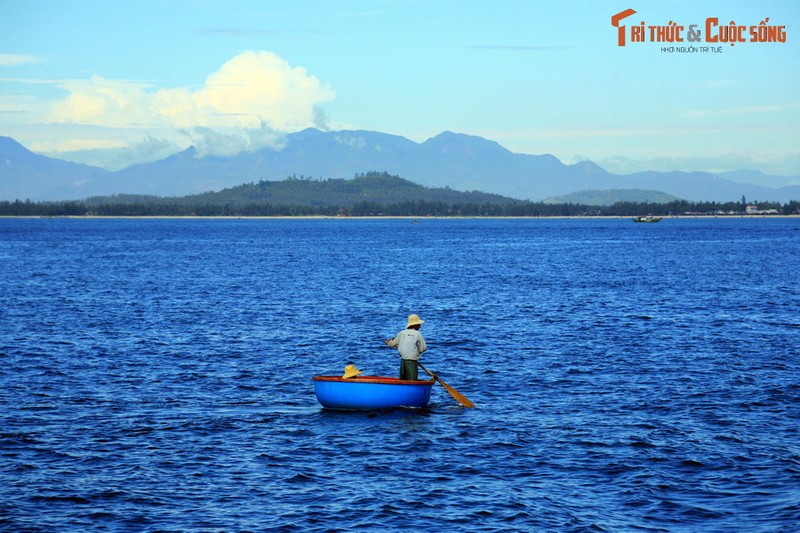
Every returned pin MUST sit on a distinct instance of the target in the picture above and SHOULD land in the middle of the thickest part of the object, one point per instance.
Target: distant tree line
(167, 208)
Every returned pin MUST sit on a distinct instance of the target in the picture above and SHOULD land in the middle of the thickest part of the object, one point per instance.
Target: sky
(114, 83)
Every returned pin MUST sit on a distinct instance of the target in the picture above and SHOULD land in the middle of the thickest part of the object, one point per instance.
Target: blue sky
(112, 83)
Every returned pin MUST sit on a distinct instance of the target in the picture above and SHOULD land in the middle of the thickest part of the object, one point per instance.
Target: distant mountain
(754, 176)
(461, 162)
(703, 186)
(25, 175)
(612, 196)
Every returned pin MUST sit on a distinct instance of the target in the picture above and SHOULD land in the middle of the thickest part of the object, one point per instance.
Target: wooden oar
(460, 398)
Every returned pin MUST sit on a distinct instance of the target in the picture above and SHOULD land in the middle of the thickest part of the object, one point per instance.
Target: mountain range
(458, 161)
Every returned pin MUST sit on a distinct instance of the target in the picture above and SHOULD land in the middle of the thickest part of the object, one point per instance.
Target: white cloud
(231, 141)
(101, 102)
(114, 152)
(250, 90)
(743, 110)
(13, 60)
(247, 104)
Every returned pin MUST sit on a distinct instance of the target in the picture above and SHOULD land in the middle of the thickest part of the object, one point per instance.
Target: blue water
(155, 375)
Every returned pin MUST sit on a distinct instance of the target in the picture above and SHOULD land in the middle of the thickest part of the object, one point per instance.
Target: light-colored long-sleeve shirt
(410, 343)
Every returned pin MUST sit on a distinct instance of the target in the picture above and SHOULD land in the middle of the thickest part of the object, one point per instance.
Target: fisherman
(410, 344)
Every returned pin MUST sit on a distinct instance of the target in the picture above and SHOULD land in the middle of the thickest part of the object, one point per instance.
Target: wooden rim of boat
(375, 379)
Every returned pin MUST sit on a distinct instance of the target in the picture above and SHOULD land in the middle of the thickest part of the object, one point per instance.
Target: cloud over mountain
(247, 91)
(247, 104)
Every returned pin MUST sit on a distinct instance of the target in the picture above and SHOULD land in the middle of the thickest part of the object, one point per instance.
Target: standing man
(410, 343)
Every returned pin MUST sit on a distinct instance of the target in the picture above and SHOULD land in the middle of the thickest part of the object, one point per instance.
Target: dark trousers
(408, 369)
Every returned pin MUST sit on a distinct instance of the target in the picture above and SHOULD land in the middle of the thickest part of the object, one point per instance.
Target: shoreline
(398, 217)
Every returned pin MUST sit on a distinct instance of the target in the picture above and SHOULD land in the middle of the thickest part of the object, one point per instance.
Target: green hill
(374, 188)
(612, 196)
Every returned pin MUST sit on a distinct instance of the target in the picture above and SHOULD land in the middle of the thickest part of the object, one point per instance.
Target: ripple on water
(615, 392)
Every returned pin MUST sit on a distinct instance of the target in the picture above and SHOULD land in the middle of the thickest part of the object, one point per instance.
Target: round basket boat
(371, 392)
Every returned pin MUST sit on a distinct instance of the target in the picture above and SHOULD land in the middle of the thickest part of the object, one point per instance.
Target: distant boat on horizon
(646, 218)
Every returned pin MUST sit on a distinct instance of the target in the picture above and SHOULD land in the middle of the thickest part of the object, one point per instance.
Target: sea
(156, 375)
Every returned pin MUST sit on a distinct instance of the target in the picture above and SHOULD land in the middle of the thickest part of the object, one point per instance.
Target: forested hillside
(371, 194)
(378, 188)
